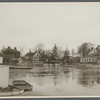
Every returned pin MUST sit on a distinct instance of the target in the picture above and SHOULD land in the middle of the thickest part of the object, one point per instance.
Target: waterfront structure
(10, 56)
(93, 57)
(4, 76)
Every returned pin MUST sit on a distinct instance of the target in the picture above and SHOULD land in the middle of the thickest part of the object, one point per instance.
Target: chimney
(99, 46)
(8, 47)
(30, 50)
(15, 48)
(92, 48)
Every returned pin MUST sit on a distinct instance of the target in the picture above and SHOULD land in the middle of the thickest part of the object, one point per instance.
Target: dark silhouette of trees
(66, 56)
(85, 48)
(66, 53)
(54, 51)
(54, 54)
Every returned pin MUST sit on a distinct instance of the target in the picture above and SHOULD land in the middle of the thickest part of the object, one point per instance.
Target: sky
(66, 24)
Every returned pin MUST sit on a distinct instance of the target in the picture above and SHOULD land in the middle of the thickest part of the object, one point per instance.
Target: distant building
(93, 50)
(10, 56)
(34, 58)
(93, 57)
(29, 56)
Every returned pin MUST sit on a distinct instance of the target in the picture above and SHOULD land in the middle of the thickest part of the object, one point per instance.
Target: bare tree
(39, 47)
(21, 49)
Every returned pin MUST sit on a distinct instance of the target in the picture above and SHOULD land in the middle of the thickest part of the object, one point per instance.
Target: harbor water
(56, 80)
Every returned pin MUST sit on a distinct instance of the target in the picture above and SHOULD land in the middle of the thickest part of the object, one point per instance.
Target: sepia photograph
(50, 49)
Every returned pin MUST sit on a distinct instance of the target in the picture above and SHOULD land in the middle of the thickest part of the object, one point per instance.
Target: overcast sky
(62, 23)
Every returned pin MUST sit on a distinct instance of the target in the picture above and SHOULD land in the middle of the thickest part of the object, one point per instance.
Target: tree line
(57, 52)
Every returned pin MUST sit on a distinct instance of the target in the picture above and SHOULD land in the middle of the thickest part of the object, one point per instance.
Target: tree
(85, 48)
(73, 52)
(54, 51)
(66, 52)
(66, 56)
(54, 55)
(48, 55)
(48, 52)
(21, 49)
(60, 51)
(2, 50)
(39, 47)
(73, 56)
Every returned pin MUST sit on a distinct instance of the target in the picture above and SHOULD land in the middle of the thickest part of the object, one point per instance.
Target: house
(93, 57)
(93, 50)
(33, 58)
(37, 57)
(29, 56)
(10, 56)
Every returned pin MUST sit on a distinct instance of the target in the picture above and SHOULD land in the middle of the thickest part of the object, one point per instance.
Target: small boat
(21, 84)
(10, 90)
(20, 67)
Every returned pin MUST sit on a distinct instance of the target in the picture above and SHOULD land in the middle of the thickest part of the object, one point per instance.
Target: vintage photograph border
(50, 97)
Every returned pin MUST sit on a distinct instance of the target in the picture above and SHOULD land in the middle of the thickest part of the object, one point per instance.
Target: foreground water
(59, 81)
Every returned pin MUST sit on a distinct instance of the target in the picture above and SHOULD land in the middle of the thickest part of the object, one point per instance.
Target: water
(59, 81)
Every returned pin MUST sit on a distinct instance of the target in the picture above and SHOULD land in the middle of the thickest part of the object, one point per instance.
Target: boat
(19, 67)
(10, 90)
(21, 84)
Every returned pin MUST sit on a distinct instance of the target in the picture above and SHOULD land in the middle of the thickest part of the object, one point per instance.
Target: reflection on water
(59, 81)
(89, 77)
